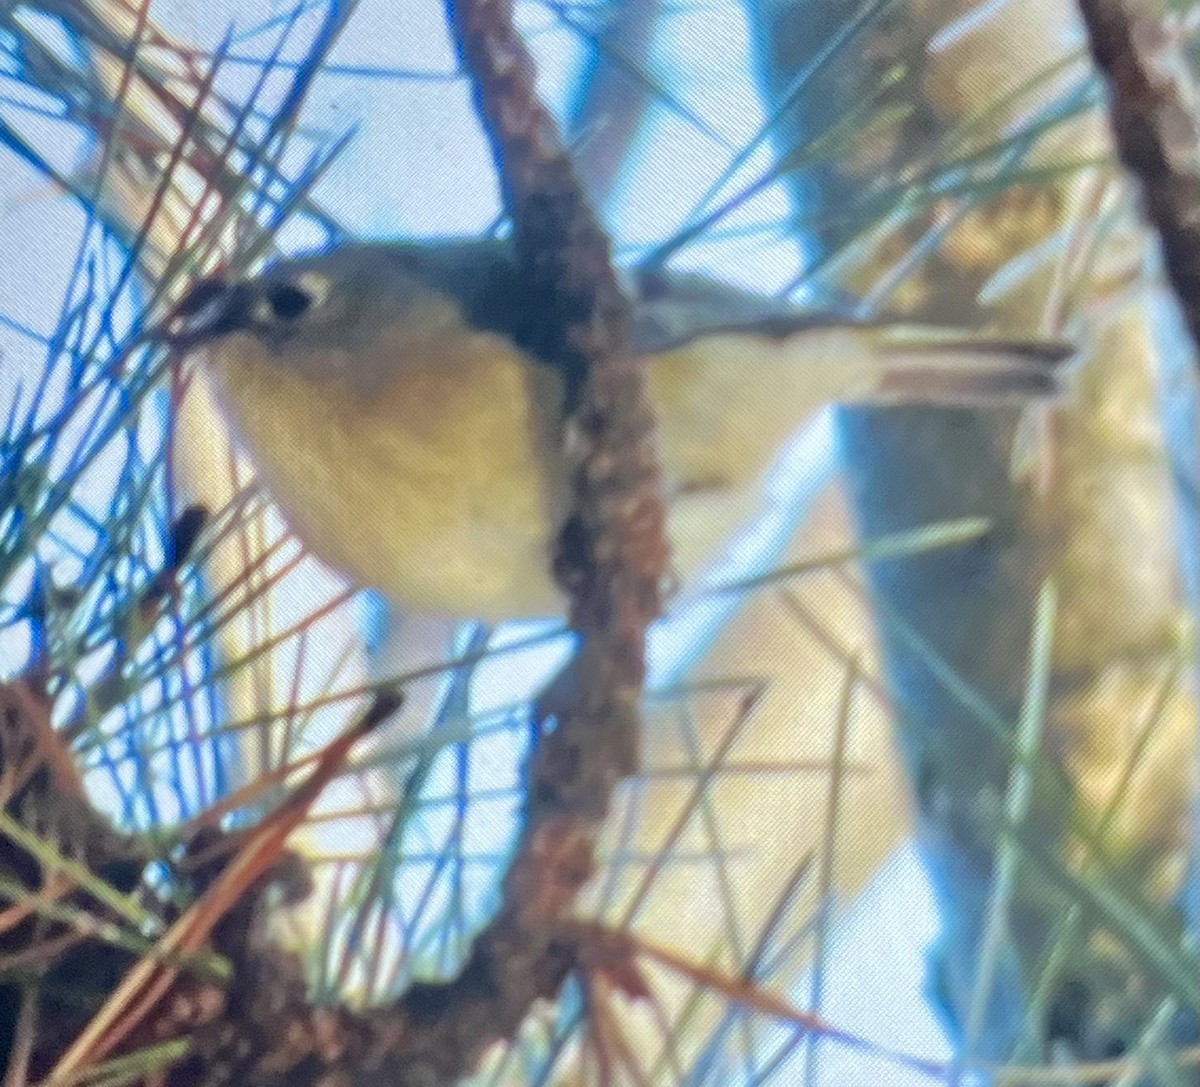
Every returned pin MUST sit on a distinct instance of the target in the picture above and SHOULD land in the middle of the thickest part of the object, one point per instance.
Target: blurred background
(932, 777)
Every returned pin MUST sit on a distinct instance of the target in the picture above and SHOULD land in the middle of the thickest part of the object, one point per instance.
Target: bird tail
(971, 371)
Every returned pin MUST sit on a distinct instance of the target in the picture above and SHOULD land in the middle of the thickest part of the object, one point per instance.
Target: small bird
(410, 442)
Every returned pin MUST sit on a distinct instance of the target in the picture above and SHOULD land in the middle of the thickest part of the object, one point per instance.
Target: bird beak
(212, 307)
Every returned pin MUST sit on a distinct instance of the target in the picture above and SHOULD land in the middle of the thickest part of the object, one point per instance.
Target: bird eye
(287, 301)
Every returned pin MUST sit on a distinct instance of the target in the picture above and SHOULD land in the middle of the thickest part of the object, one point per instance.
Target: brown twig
(1156, 126)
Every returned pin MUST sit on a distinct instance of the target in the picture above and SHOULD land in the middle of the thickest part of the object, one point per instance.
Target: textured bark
(1155, 116)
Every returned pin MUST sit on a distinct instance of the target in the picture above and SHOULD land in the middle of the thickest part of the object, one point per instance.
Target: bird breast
(438, 489)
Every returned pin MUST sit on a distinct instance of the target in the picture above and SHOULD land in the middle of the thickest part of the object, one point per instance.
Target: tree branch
(1156, 126)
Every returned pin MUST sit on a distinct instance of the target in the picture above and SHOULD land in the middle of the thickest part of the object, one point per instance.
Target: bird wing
(915, 363)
